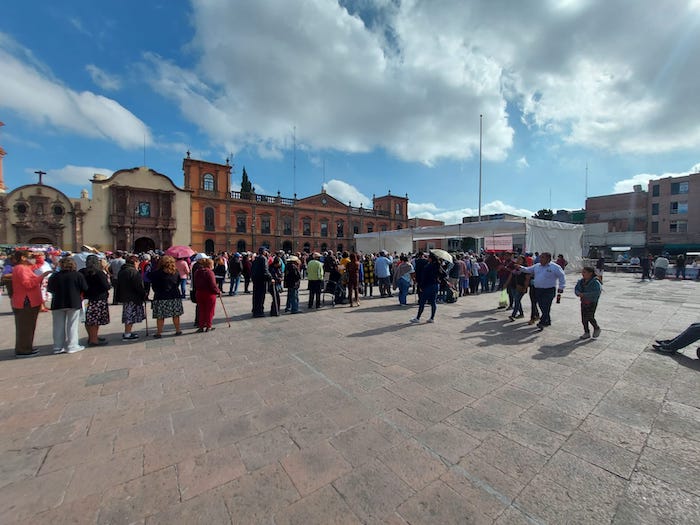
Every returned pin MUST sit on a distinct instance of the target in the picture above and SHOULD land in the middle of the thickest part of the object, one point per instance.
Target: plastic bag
(503, 299)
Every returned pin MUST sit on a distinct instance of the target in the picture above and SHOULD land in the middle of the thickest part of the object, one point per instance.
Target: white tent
(540, 236)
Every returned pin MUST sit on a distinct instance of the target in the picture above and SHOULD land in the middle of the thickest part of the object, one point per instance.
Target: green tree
(544, 214)
(246, 186)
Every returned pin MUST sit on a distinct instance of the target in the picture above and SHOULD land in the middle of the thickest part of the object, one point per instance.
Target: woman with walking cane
(206, 294)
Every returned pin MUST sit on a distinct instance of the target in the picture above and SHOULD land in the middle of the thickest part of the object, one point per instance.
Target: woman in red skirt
(206, 293)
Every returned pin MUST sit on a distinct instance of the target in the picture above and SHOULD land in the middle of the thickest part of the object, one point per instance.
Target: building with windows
(244, 220)
(674, 214)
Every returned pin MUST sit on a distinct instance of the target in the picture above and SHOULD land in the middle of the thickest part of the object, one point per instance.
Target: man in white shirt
(546, 276)
(382, 270)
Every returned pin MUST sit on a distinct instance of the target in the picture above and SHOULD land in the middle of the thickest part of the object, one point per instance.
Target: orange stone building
(243, 221)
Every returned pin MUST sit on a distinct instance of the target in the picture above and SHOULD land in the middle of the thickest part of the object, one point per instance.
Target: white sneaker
(415, 320)
(430, 321)
(75, 350)
(59, 350)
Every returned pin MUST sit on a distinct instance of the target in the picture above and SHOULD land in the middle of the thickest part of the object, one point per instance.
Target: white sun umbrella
(442, 254)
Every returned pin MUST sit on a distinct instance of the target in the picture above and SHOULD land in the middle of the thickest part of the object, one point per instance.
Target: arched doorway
(287, 246)
(144, 244)
(40, 240)
(307, 247)
(240, 246)
(209, 246)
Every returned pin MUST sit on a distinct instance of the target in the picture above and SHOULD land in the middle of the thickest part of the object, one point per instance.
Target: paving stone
(649, 500)
(449, 442)
(477, 493)
(21, 500)
(313, 468)
(495, 481)
(615, 432)
(679, 419)
(323, 507)
(360, 444)
(205, 509)
(439, 504)
(16, 465)
(511, 458)
(674, 469)
(172, 450)
(199, 474)
(475, 422)
(552, 419)
(83, 511)
(307, 430)
(258, 496)
(106, 377)
(372, 491)
(77, 452)
(265, 448)
(415, 465)
(603, 453)
(533, 436)
(135, 500)
(633, 411)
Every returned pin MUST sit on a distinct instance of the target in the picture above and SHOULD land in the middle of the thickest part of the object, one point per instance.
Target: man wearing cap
(260, 275)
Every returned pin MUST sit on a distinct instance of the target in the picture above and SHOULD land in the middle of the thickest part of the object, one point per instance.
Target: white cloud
(431, 211)
(29, 89)
(345, 193)
(73, 175)
(381, 75)
(627, 185)
(522, 163)
(105, 80)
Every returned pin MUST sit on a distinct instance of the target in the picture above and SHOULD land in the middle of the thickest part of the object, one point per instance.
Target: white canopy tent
(540, 236)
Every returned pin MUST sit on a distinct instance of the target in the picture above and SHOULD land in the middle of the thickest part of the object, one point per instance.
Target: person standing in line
(26, 302)
(600, 268)
(431, 276)
(260, 276)
(292, 278)
(588, 289)
(97, 295)
(167, 302)
(382, 270)
(207, 292)
(546, 276)
(114, 266)
(246, 268)
(646, 264)
(352, 270)
(131, 293)
(517, 282)
(220, 271)
(404, 276)
(314, 270)
(67, 287)
(680, 266)
(234, 271)
(368, 275)
(183, 269)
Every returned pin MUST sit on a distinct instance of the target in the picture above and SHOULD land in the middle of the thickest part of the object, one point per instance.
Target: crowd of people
(40, 280)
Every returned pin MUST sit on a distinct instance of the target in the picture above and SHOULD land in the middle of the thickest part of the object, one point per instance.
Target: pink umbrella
(180, 252)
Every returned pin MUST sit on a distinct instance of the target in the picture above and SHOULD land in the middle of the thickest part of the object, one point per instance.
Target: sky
(555, 99)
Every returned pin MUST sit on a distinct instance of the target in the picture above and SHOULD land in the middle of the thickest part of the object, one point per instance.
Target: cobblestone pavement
(353, 415)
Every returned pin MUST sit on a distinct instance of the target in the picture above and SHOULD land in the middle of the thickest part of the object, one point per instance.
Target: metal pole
(481, 117)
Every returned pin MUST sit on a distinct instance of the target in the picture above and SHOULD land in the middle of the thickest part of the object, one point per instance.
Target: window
(240, 246)
(240, 224)
(144, 209)
(370, 228)
(355, 228)
(208, 182)
(287, 226)
(398, 227)
(655, 190)
(265, 224)
(383, 227)
(654, 227)
(58, 210)
(324, 229)
(340, 229)
(679, 188)
(678, 207)
(398, 209)
(306, 227)
(655, 208)
(678, 227)
(209, 219)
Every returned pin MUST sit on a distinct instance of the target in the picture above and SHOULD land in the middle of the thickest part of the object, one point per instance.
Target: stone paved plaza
(353, 415)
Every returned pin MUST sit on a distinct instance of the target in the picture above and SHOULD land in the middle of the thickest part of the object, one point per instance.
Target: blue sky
(377, 95)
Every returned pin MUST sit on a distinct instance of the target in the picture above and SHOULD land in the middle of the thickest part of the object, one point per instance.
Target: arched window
(208, 182)
(209, 220)
(209, 246)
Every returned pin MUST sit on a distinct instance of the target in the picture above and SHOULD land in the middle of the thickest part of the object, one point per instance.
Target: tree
(544, 214)
(246, 186)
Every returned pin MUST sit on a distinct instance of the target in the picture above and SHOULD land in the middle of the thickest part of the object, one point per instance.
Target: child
(588, 290)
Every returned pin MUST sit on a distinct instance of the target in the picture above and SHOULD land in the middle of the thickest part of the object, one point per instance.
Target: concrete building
(244, 220)
(674, 214)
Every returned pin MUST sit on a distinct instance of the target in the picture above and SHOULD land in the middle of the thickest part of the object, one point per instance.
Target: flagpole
(480, 142)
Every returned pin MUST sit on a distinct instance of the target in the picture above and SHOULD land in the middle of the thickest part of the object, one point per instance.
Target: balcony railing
(271, 199)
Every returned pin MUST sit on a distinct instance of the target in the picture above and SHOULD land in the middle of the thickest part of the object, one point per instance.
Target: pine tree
(246, 186)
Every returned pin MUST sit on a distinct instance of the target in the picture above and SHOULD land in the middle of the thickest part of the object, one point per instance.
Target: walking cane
(274, 298)
(145, 311)
(225, 312)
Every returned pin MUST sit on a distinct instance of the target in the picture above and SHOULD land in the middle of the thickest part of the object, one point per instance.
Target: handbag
(503, 299)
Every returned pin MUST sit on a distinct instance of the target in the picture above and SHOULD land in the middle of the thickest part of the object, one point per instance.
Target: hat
(383, 252)
(292, 258)
(201, 256)
(262, 249)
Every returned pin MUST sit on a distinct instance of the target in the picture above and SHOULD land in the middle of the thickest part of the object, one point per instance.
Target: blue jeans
(293, 299)
(689, 336)
(428, 295)
(183, 288)
(518, 303)
(233, 286)
(404, 285)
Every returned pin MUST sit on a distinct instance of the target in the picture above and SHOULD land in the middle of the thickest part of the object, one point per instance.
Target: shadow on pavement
(560, 350)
